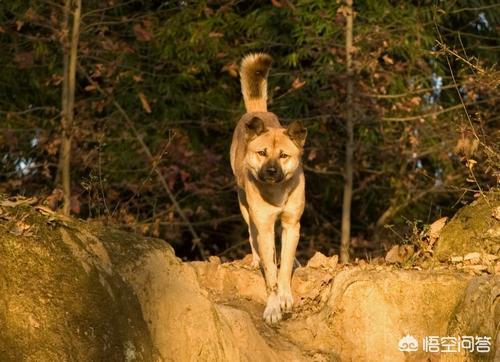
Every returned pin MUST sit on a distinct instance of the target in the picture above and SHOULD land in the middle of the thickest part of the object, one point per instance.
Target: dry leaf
(473, 258)
(319, 260)
(416, 101)
(277, 4)
(53, 147)
(388, 59)
(31, 15)
(393, 256)
(19, 229)
(495, 213)
(297, 83)
(144, 102)
(24, 60)
(475, 269)
(435, 228)
(494, 231)
(490, 257)
(141, 33)
(466, 146)
(91, 87)
(471, 163)
(75, 204)
(52, 201)
(214, 34)
(231, 68)
(312, 155)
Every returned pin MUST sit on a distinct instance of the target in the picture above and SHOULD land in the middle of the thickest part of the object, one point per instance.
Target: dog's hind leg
(253, 242)
(242, 199)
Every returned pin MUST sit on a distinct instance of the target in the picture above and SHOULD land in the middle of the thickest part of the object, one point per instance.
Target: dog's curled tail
(253, 75)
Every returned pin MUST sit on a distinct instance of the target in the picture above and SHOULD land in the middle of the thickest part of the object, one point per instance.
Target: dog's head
(273, 153)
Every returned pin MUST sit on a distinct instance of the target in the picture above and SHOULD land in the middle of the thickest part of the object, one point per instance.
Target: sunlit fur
(275, 142)
(253, 76)
(270, 188)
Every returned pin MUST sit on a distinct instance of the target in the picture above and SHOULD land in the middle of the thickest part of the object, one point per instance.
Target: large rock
(75, 291)
(63, 295)
(474, 228)
(361, 315)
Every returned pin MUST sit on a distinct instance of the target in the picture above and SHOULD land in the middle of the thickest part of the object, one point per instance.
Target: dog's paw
(272, 313)
(255, 264)
(286, 300)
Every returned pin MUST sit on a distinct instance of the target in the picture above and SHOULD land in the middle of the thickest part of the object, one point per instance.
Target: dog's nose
(271, 170)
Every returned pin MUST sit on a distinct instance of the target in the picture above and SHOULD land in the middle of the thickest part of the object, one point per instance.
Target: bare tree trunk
(64, 94)
(68, 94)
(346, 205)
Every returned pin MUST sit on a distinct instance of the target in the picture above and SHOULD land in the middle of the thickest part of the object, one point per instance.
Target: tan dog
(266, 161)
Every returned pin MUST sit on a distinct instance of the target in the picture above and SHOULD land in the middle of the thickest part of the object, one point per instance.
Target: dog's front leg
(263, 232)
(289, 240)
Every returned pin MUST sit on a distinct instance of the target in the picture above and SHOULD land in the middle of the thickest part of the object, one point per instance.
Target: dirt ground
(78, 291)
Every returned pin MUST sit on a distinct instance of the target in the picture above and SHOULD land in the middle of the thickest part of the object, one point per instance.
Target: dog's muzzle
(271, 173)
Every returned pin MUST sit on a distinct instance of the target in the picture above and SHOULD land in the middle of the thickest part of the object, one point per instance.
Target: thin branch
(465, 111)
(402, 95)
(207, 222)
(322, 172)
(456, 55)
(102, 10)
(474, 9)
(433, 114)
(196, 239)
(146, 179)
(29, 110)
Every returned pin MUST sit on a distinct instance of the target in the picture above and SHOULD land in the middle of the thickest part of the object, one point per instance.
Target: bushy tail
(253, 75)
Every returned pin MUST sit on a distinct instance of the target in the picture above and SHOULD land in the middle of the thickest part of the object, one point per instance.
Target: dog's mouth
(271, 178)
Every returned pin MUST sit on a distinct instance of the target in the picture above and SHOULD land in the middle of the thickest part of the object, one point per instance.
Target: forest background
(156, 97)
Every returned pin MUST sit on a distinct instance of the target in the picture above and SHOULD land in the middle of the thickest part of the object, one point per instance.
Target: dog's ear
(255, 127)
(297, 133)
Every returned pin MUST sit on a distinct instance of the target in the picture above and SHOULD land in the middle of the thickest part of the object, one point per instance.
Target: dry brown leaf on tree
(142, 34)
(231, 68)
(297, 83)
(144, 102)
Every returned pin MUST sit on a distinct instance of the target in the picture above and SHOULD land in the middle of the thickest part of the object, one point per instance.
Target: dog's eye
(284, 155)
(262, 153)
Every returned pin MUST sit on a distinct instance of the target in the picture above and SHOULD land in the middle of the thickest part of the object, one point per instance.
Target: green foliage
(172, 67)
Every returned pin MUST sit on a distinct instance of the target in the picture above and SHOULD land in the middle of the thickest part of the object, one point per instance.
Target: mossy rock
(472, 229)
(62, 296)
